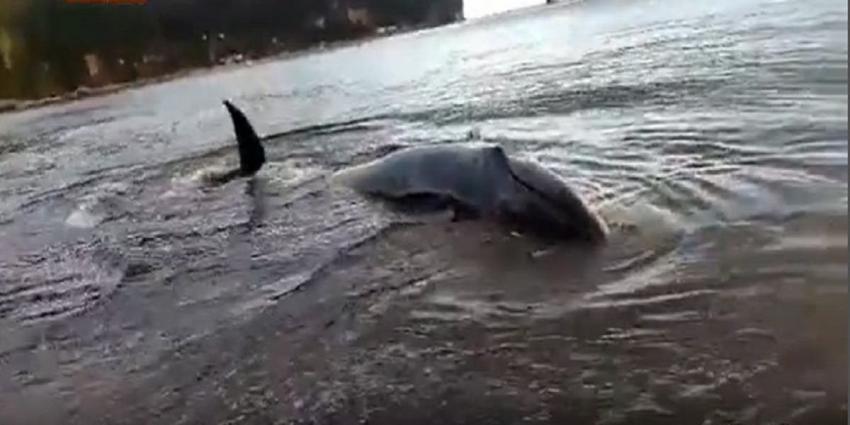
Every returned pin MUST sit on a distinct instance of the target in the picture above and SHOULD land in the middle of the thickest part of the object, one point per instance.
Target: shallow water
(712, 137)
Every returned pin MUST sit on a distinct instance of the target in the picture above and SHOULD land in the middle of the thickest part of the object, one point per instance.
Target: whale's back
(472, 174)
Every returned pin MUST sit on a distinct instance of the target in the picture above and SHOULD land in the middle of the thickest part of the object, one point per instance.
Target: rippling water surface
(713, 137)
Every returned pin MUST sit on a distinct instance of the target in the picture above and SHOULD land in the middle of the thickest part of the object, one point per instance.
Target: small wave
(68, 280)
(101, 205)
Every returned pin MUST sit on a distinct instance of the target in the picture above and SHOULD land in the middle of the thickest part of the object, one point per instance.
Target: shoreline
(9, 106)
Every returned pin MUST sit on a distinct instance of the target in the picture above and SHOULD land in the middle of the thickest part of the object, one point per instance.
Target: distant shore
(84, 92)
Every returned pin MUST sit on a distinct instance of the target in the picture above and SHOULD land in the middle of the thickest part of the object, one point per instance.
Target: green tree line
(49, 47)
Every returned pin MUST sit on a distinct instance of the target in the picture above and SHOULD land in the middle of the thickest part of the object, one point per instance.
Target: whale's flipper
(252, 156)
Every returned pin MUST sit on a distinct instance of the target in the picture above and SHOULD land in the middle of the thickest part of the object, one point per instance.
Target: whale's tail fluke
(252, 156)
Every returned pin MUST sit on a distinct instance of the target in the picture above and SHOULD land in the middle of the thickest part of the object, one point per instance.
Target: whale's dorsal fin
(496, 156)
(252, 156)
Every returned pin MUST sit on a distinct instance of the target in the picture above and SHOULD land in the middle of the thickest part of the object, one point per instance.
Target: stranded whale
(479, 179)
(482, 179)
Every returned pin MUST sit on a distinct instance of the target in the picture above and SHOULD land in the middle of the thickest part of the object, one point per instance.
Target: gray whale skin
(482, 179)
(479, 179)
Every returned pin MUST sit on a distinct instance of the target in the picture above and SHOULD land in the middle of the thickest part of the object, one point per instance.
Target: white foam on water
(291, 172)
(83, 219)
(651, 223)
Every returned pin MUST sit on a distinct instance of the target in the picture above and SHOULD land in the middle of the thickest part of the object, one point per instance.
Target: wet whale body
(474, 179)
(482, 180)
